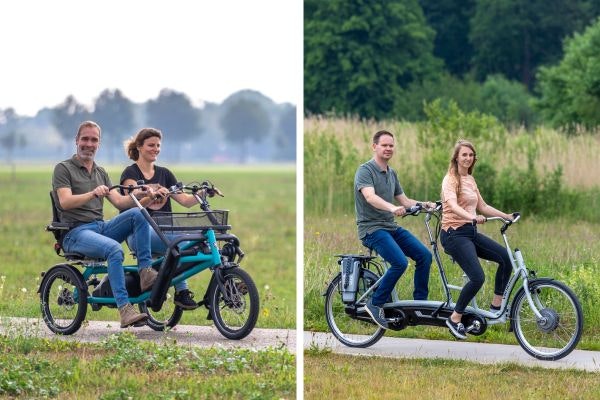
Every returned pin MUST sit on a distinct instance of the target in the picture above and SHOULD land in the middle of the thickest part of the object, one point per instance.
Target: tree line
(526, 62)
(247, 125)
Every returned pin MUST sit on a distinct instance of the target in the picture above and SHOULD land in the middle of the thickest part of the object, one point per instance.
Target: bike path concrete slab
(192, 335)
(484, 353)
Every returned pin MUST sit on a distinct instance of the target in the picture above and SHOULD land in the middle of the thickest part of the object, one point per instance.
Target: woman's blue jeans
(394, 246)
(102, 239)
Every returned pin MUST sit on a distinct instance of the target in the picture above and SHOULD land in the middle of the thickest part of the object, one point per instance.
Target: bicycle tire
(168, 316)
(63, 301)
(559, 333)
(353, 332)
(236, 316)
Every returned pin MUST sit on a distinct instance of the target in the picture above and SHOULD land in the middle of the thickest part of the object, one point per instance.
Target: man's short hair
(379, 134)
(88, 124)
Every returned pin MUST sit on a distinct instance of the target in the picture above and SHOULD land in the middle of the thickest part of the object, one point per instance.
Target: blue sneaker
(457, 329)
(377, 314)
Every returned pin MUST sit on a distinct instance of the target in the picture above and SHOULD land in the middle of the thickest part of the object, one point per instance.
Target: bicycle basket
(170, 222)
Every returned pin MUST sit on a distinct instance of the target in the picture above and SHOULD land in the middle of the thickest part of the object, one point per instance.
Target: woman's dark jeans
(466, 246)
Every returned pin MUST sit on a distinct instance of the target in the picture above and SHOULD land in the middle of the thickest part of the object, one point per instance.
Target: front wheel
(349, 323)
(234, 312)
(62, 300)
(168, 316)
(558, 332)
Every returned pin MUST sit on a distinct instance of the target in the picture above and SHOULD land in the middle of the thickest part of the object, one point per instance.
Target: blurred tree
(175, 116)
(570, 91)
(66, 118)
(114, 113)
(245, 120)
(10, 138)
(449, 19)
(515, 37)
(360, 55)
(285, 136)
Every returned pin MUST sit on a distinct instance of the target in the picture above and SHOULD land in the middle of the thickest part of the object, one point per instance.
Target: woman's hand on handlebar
(480, 219)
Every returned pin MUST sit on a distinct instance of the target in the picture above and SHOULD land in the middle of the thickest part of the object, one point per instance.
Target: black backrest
(55, 210)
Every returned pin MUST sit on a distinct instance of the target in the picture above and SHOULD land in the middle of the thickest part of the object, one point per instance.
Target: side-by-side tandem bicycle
(544, 314)
(195, 241)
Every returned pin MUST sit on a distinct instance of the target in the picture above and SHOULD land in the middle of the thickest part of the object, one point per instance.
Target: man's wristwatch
(474, 221)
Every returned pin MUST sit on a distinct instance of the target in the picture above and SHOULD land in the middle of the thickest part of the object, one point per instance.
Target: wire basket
(170, 222)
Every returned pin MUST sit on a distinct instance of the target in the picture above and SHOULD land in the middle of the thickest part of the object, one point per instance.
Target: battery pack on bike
(350, 267)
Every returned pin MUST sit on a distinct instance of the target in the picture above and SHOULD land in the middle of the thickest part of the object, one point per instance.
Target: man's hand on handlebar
(398, 211)
(101, 191)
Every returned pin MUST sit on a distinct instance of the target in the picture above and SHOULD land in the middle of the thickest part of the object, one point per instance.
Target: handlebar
(507, 222)
(418, 208)
(209, 188)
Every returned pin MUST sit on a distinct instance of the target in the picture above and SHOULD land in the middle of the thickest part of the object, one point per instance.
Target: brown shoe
(129, 316)
(147, 278)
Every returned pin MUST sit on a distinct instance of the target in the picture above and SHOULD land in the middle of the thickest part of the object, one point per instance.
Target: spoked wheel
(63, 304)
(558, 332)
(168, 316)
(349, 323)
(234, 312)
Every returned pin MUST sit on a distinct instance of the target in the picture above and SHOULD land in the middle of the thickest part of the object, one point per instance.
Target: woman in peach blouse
(459, 237)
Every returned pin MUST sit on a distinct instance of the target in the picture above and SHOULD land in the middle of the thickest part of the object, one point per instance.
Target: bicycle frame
(441, 308)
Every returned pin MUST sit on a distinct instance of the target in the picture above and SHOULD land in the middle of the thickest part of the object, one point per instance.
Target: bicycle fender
(531, 284)
(81, 285)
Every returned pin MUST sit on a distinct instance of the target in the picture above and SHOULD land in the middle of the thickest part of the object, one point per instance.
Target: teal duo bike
(196, 242)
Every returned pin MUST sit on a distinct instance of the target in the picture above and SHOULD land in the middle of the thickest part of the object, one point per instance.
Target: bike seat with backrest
(59, 229)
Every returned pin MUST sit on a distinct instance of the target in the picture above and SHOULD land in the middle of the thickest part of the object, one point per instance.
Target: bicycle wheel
(557, 334)
(62, 302)
(168, 316)
(353, 331)
(234, 312)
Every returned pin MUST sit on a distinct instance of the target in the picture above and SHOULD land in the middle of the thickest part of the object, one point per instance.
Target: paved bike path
(484, 353)
(192, 335)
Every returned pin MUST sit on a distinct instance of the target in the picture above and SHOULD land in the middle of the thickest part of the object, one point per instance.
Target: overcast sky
(205, 49)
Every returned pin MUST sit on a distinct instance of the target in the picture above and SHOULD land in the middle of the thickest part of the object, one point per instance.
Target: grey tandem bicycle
(544, 314)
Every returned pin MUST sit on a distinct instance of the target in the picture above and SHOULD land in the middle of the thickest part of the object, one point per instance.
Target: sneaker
(147, 278)
(457, 329)
(377, 314)
(185, 299)
(130, 317)
(494, 309)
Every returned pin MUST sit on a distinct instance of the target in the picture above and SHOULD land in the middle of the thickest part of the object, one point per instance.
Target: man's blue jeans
(394, 246)
(102, 239)
(158, 247)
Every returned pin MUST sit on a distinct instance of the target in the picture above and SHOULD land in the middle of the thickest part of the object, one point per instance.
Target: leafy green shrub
(509, 101)
(570, 91)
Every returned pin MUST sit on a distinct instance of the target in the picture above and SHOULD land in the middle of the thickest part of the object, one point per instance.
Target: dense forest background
(246, 127)
(526, 62)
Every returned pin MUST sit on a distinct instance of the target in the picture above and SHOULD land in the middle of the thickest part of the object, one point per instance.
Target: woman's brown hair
(131, 145)
(453, 167)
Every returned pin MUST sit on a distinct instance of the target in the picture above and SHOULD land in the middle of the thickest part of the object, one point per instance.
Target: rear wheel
(234, 312)
(168, 316)
(558, 331)
(63, 303)
(349, 323)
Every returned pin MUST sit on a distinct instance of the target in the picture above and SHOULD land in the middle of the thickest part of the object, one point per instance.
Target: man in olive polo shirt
(376, 186)
(81, 186)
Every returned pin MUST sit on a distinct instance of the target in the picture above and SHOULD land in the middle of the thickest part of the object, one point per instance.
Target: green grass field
(335, 376)
(262, 204)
